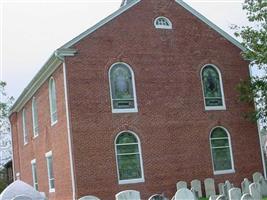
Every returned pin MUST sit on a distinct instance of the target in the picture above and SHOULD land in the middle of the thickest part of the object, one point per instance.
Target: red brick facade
(171, 121)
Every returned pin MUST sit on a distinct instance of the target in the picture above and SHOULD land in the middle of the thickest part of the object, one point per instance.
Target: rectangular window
(34, 118)
(51, 179)
(24, 127)
(34, 174)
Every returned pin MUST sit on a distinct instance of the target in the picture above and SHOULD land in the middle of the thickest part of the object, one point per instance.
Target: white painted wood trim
(69, 132)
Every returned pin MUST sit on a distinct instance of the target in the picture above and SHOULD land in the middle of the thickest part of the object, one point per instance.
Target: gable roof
(56, 58)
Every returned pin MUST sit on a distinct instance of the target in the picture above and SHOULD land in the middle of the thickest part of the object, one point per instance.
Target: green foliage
(254, 39)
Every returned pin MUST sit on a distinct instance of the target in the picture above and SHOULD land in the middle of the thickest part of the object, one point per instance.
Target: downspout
(61, 57)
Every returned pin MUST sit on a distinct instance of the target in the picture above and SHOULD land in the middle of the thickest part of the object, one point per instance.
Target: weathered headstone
(220, 186)
(255, 191)
(195, 193)
(263, 186)
(246, 197)
(157, 197)
(235, 194)
(183, 194)
(128, 195)
(196, 185)
(209, 187)
(256, 177)
(90, 197)
(245, 186)
(213, 197)
(221, 197)
(180, 185)
(227, 186)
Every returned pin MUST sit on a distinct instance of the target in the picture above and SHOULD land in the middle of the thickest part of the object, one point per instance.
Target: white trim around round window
(227, 171)
(162, 22)
(223, 106)
(135, 180)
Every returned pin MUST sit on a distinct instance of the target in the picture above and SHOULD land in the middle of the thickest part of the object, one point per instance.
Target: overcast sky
(32, 30)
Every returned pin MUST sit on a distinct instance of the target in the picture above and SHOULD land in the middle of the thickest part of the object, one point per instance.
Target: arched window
(34, 117)
(221, 150)
(122, 88)
(24, 127)
(212, 88)
(52, 101)
(162, 23)
(129, 158)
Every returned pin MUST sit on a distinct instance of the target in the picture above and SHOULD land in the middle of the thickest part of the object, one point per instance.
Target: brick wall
(50, 139)
(171, 122)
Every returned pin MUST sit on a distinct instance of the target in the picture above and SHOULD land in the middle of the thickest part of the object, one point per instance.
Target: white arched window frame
(35, 126)
(162, 23)
(129, 153)
(53, 101)
(213, 107)
(114, 101)
(24, 127)
(214, 146)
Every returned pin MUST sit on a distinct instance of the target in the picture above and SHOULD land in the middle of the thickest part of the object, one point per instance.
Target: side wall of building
(171, 121)
(51, 138)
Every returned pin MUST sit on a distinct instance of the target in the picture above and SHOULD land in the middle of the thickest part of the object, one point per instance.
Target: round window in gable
(162, 23)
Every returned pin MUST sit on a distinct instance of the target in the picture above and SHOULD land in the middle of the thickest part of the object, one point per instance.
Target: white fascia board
(212, 25)
(100, 24)
(43, 74)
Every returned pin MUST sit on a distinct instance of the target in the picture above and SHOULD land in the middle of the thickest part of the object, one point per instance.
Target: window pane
(34, 174)
(35, 117)
(129, 166)
(53, 100)
(121, 81)
(50, 171)
(132, 148)
(126, 138)
(24, 127)
(218, 133)
(211, 85)
(220, 143)
(221, 159)
(52, 183)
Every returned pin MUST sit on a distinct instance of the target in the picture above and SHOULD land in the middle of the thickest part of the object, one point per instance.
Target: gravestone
(263, 186)
(157, 197)
(227, 186)
(209, 187)
(246, 197)
(255, 191)
(213, 197)
(221, 197)
(256, 177)
(183, 194)
(89, 197)
(235, 194)
(220, 186)
(196, 185)
(22, 197)
(245, 186)
(195, 193)
(128, 195)
(180, 185)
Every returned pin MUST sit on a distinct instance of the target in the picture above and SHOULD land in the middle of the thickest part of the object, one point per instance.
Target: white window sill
(53, 123)
(133, 110)
(25, 143)
(52, 190)
(35, 136)
(207, 108)
(230, 171)
(163, 27)
(132, 181)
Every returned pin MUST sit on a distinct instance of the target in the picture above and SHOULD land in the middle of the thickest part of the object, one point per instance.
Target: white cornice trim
(100, 24)
(43, 74)
(212, 25)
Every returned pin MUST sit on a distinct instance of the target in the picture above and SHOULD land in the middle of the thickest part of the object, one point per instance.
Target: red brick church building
(144, 98)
